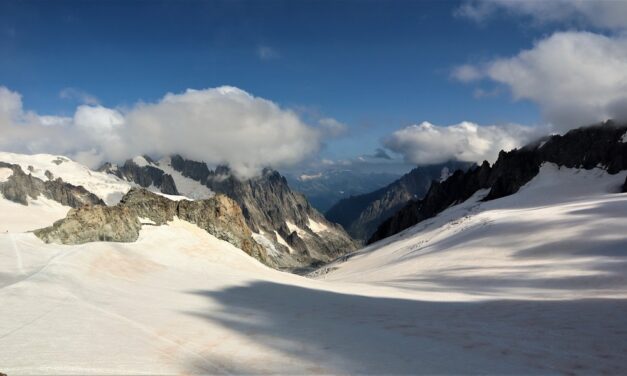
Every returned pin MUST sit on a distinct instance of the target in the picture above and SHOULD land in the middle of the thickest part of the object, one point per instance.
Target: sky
(317, 82)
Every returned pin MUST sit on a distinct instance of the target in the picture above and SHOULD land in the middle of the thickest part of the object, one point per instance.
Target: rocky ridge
(219, 216)
(20, 186)
(599, 145)
(145, 175)
(361, 215)
(294, 233)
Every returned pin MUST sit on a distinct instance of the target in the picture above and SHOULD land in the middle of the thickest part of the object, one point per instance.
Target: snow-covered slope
(108, 187)
(39, 213)
(562, 236)
(533, 283)
(187, 187)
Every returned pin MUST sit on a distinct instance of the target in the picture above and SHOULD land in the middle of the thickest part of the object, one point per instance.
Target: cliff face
(219, 216)
(588, 147)
(20, 186)
(361, 215)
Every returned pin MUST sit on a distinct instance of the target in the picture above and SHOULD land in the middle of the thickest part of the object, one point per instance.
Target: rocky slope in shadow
(587, 147)
(219, 216)
(361, 215)
(145, 175)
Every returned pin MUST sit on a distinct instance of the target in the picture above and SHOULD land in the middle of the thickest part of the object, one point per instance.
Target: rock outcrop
(588, 147)
(146, 175)
(219, 216)
(361, 215)
(93, 223)
(269, 205)
(270, 209)
(20, 186)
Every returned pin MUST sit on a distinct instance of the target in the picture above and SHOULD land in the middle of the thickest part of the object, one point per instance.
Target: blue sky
(376, 66)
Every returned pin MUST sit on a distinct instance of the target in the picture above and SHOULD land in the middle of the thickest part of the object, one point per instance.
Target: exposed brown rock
(93, 223)
(220, 216)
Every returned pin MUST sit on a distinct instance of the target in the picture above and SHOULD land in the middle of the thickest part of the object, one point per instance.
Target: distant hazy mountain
(362, 214)
(324, 189)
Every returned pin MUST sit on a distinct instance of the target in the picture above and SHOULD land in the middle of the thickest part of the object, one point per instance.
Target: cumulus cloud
(577, 78)
(607, 14)
(427, 143)
(221, 125)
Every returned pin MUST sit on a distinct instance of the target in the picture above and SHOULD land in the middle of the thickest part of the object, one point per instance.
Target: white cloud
(98, 119)
(466, 73)
(10, 103)
(332, 127)
(267, 53)
(220, 125)
(577, 78)
(605, 14)
(81, 96)
(426, 143)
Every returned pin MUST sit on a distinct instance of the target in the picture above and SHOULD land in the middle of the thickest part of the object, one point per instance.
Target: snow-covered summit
(108, 187)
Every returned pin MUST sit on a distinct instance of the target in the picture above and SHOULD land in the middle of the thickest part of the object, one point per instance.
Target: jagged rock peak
(272, 210)
(294, 233)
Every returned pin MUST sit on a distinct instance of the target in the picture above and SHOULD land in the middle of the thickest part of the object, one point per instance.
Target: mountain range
(511, 267)
(293, 231)
(362, 214)
(325, 188)
(602, 145)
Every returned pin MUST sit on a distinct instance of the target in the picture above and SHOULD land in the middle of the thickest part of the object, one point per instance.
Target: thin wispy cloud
(78, 95)
(604, 14)
(267, 53)
(381, 154)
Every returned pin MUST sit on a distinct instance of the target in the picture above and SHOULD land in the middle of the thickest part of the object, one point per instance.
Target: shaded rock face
(21, 186)
(361, 215)
(219, 216)
(624, 188)
(145, 176)
(588, 147)
(192, 169)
